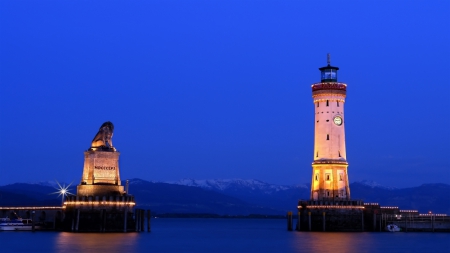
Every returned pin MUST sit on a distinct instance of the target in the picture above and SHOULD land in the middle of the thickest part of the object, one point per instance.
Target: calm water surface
(222, 235)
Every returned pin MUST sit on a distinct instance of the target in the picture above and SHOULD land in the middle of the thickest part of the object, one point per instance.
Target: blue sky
(222, 89)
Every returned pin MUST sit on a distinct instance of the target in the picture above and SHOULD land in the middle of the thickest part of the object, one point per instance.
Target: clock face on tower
(337, 120)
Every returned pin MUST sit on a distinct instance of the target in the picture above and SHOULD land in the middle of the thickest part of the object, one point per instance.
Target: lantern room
(328, 74)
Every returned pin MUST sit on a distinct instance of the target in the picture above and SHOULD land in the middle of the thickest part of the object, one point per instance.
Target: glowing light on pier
(334, 207)
(111, 203)
(63, 191)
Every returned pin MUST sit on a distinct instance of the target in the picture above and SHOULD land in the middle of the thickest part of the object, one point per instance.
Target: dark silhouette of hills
(281, 197)
(172, 198)
(159, 197)
(251, 197)
(23, 194)
(424, 198)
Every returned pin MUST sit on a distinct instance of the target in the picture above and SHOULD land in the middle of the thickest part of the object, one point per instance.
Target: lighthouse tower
(329, 167)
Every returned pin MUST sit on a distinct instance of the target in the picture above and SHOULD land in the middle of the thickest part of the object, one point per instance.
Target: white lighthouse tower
(329, 174)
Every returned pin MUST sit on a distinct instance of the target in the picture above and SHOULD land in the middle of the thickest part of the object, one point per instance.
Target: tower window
(328, 194)
(327, 177)
(317, 177)
(317, 154)
(327, 102)
(328, 120)
(341, 177)
(339, 153)
(337, 103)
(328, 137)
(317, 104)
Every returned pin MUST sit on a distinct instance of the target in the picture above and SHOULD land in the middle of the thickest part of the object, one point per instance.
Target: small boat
(393, 228)
(18, 224)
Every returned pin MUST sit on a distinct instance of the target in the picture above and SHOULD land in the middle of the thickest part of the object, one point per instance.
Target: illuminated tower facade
(329, 167)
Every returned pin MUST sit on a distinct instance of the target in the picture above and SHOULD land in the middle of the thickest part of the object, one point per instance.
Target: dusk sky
(222, 89)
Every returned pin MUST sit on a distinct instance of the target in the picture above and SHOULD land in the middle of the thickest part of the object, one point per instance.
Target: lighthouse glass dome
(328, 74)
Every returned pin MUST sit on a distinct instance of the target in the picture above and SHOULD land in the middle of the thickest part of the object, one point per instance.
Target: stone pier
(99, 214)
(331, 216)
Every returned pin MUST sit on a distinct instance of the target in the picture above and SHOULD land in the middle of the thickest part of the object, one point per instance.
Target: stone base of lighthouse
(330, 207)
(330, 181)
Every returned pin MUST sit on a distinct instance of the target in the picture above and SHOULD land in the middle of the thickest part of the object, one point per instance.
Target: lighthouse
(330, 207)
(329, 167)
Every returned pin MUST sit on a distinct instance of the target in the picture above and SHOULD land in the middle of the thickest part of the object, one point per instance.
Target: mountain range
(236, 196)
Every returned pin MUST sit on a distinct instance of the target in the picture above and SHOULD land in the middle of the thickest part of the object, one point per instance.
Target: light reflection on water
(96, 242)
(323, 242)
(373, 242)
(331, 242)
(222, 235)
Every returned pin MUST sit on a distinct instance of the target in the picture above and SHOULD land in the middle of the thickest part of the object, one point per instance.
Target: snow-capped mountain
(281, 197)
(230, 184)
(138, 181)
(373, 184)
(45, 183)
(56, 184)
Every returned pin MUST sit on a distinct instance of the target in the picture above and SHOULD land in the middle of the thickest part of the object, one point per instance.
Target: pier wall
(346, 216)
(330, 219)
(98, 220)
(330, 216)
(420, 223)
(99, 214)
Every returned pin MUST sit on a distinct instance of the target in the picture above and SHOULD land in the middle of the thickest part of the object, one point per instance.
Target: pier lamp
(62, 191)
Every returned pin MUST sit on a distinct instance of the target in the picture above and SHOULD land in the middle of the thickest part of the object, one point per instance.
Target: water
(222, 235)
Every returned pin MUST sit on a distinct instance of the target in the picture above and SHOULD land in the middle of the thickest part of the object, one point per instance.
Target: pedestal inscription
(101, 167)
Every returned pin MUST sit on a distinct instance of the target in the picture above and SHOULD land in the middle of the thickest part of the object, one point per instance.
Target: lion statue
(103, 139)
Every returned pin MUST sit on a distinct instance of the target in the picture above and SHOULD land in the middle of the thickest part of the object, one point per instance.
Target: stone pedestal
(99, 190)
(100, 174)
